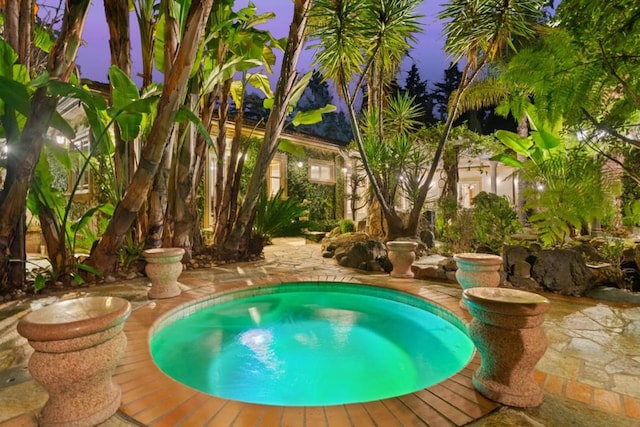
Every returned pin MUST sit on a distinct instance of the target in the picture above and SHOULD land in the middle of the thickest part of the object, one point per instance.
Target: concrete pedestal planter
(164, 266)
(77, 344)
(477, 270)
(401, 255)
(506, 330)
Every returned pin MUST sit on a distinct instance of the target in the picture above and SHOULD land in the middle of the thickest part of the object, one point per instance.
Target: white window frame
(320, 166)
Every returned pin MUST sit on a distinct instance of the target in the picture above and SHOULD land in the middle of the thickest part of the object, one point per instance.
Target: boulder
(427, 238)
(515, 255)
(525, 284)
(331, 244)
(521, 268)
(448, 264)
(563, 271)
(360, 254)
(589, 253)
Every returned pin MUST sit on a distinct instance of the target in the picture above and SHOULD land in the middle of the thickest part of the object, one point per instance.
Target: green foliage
(568, 188)
(479, 28)
(320, 199)
(275, 216)
(572, 193)
(456, 234)
(612, 250)
(346, 226)
(399, 155)
(326, 225)
(130, 251)
(493, 220)
(631, 216)
(350, 33)
(488, 223)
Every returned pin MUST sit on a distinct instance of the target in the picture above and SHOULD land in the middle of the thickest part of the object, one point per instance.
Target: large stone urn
(401, 254)
(164, 266)
(506, 330)
(476, 270)
(77, 344)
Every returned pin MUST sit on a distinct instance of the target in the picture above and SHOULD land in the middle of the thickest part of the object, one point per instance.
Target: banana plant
(542, 143)
(570, 190)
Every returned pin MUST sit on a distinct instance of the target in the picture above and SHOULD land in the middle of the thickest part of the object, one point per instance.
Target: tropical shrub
(568, 188)
(277, 217)
(346, 226)
(631, 212)
(493, 220)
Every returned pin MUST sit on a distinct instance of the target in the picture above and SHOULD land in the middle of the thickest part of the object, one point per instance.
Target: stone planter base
(164, 266)
(77, 344)
(506, 329)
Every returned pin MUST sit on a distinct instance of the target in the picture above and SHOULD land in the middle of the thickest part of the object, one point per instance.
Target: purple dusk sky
(93, 57)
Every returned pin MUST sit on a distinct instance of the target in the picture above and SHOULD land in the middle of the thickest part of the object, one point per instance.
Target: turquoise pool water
(312, 344)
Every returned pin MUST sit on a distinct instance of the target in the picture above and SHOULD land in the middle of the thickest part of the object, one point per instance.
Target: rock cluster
(356, 250)
(567, 271)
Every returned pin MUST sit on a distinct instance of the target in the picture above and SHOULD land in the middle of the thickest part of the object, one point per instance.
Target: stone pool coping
(152, 398)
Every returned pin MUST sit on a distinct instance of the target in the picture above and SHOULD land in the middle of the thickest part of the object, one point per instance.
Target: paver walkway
(593, 360)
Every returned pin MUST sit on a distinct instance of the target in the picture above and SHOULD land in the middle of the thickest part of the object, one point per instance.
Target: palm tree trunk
(18, 18)
(273, 128)
(105, 255)
(159, 196)
(23, 154)
(183, 203)
(117, 16)
(221, 212)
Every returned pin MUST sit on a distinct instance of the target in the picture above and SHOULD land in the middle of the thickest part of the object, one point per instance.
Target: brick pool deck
(569, 369)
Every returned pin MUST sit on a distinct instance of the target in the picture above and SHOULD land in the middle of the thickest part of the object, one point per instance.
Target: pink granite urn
(401, 255)
(476, 270)
(506, 330)
(77, 344)
(164, 266)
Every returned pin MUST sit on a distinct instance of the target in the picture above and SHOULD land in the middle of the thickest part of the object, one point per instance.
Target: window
(79, 151)
(274, 177)
(277, 175)
(321, 172)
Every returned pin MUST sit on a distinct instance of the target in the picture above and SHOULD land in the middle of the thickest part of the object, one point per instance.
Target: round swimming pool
(311, 344)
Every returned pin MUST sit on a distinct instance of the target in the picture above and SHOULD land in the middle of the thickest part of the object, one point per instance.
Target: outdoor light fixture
(299, 164)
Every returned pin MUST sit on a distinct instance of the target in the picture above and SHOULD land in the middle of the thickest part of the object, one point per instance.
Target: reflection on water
(254, 313)
(259, 342)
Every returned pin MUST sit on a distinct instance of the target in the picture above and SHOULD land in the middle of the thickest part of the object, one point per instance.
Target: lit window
(322, 172)
(277, 175)
(274, 177)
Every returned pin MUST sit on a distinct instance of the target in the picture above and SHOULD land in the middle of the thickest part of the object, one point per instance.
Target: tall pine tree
(334, 125)
(416, 88)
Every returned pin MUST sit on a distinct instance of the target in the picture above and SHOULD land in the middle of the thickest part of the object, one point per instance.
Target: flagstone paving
(590, 372)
